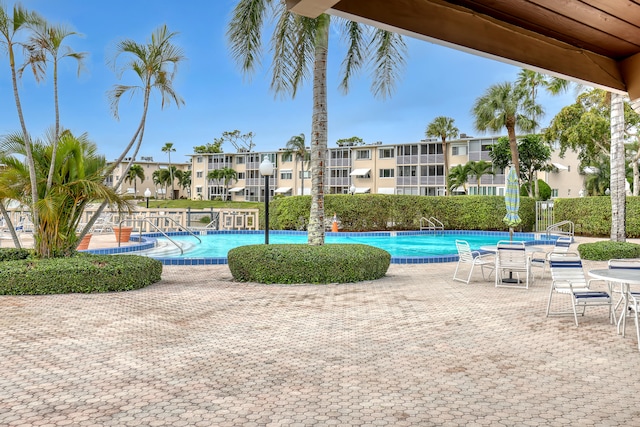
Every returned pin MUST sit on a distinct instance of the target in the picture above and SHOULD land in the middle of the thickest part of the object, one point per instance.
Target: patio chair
(473, 258)
(633, 296)
(511, 257)
(541, 259)
(568, 278)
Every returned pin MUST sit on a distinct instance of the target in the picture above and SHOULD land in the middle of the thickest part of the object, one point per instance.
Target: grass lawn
(198, 204)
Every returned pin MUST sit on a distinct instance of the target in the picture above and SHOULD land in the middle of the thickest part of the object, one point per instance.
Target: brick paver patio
(412, 349)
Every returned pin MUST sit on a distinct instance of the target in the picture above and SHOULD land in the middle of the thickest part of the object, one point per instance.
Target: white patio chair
(633, 296)
(511, 258)
(568, 278)
(541, 259)
(472, 258)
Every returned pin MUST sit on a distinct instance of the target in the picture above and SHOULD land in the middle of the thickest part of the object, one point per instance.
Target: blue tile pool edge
(148, 241)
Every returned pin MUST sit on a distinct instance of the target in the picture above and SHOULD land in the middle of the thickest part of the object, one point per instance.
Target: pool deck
(414, 348)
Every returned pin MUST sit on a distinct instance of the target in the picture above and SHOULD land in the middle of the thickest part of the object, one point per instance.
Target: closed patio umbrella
(512, 201)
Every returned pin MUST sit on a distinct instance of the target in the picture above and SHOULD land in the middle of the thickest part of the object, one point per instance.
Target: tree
(300, 49)
(168, 148)
(349, 142)
(442, 127)
(135, 172)
(77, 181)
(242, 142)
(184, 179)
(618, 195)
(296, 147)
(46, 45)
(506, 105)
(226, 175)
(155, 64)
(530, 80)
(458, 177)
(479, 168)
(209, 148)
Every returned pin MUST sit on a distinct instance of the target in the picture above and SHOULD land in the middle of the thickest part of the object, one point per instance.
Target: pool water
(399, 245)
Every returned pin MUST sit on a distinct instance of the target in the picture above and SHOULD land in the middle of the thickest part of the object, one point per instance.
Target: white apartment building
(138, 187)
(415, 168)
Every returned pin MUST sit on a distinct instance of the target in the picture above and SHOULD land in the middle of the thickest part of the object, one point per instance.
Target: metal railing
(562, 228)
(431, 224)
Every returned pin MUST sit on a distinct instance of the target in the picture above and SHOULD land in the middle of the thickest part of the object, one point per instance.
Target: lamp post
(147, 194)
(266, 170)
(352, 189)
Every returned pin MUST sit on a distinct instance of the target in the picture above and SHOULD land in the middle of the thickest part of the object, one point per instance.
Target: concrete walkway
(411, 349)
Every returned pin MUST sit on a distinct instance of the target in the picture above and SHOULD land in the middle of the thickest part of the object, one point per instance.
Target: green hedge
(606, 250)
(375, 212)
(286, 264)
(9, 254)
(82, 273)
(592, 215)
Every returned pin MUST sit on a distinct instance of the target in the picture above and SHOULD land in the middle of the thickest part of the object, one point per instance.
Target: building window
(554, 192)
(386, 173)
(458, 150)
(199, 174)
(287, 174)
(406, 171)
(339, 154)
(363, 154)
(199, 189)
(287, 157)
(408, 150)
(199, 159)
(385, 153)
(305, 174)
(241, 175)
(240, 160)
(339, 173)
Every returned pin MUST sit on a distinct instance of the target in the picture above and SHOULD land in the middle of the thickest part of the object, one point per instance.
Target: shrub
(9, 254)
(606, 250)
(592, 215)
(333, 263)
(82, 273)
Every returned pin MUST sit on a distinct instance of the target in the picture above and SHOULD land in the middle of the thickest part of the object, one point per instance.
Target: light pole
(266, 170)
(147, 194)
(352, 190)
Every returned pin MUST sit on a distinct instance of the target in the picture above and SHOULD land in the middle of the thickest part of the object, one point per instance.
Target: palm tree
(135, 172)
(168, 148)
(505, 105)
(11, 25)
(458, 177)
(155, 64)
(442, 127)
(184, 178)
(296, 147)
(300, 48)
(226, 175)
(618, 195)
(45, 45)
(479, 168)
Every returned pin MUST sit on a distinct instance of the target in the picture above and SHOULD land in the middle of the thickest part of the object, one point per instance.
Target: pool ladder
(159, 230)
(431, 224)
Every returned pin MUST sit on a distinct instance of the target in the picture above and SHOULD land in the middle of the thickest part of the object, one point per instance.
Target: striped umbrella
(512, 199)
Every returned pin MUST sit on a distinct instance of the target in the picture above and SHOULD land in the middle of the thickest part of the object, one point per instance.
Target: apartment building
(415, 168)
(138, 187)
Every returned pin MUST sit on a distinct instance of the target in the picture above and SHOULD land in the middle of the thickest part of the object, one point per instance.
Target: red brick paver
(412, 349)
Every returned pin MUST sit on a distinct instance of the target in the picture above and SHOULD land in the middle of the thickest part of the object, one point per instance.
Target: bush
(606, 250)
(9, 254)
(82, 273)
(333, 263)
(592, 215)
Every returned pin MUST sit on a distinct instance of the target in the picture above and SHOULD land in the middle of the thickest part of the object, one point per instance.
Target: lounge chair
(472, 258)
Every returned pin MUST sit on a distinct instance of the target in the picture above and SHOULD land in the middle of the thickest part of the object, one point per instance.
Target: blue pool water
(407, 246)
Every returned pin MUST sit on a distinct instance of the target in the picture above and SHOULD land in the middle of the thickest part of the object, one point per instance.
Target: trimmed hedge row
(377, 212)
(291, 263)
(606, 250)
(9, 254)
(82, 273)
(592, 215)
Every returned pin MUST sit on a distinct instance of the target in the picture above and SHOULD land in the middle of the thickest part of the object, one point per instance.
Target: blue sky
(436, 81)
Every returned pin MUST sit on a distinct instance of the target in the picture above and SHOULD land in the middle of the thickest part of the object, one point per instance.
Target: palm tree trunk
(446, 167)
(54, 150)
(636, 175)
(617, 187)
(10, 227)
(319, 133)
(513, 145)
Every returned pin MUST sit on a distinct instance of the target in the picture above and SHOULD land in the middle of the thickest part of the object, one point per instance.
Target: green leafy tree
(226, 175)
(168, 148)
(479, 168)
(135, 172)
(442, 127)
(184, 179)
(506, 105)
(349, 142)
(458, 177)
(296, 147)
(209, 148)
(300, 51)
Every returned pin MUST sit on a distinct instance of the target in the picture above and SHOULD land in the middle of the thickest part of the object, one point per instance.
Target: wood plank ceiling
(593, 41)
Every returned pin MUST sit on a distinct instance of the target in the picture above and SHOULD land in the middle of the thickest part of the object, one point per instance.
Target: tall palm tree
(184, 178)
(300, 49)
(442, 127)
(12, 24)
(135, 172)
(479, 168)
(458, 177)
(296, 147)
(506, 105)
(226, 175)
(155, 63)
(168, 148)
(46, 45)
(618, 178)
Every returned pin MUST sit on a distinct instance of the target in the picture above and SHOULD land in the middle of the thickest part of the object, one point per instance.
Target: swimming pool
(405, 247)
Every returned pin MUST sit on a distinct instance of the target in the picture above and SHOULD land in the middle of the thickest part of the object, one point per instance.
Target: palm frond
(357, 48)
(388, 61)
(244, 33)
